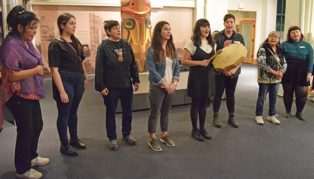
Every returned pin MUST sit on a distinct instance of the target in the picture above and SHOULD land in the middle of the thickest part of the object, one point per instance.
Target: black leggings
(223, 82)
(198, 109)
(300, 94)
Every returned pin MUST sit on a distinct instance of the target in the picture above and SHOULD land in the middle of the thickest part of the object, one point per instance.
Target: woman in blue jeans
(164, 71)
(68, 74)
(271, 66)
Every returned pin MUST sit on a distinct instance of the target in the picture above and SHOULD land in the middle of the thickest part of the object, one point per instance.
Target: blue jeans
(263, 90)
(111, 100)
(73, 83)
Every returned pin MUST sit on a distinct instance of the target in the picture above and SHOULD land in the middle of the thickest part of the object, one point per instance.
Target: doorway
(245, 25)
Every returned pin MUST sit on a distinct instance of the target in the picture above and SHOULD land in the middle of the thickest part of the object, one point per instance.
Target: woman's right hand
(204, 63)
(105, 92)
(39, 70)
(64, 97)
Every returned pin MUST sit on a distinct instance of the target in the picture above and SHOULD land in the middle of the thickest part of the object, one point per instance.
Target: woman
(23, 87)
(197, 53)
(271, 67)
(228, 79)
(164, 71)
(299, 56)
(68, 74)
(116, 76)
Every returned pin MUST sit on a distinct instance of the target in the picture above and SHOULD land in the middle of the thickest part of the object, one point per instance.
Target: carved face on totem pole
(136, 27)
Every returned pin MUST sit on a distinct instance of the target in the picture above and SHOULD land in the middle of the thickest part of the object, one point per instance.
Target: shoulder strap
(76, 52)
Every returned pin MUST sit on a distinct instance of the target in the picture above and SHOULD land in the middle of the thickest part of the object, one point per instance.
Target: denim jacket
(157, 69)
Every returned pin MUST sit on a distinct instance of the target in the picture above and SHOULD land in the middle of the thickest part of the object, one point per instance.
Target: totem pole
(136, 27)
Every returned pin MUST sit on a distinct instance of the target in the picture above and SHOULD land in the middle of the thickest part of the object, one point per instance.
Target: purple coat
(15, 55)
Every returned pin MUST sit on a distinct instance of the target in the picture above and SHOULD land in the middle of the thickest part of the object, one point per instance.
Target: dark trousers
(223, 82)
(300, 94)
(272, 89)
(111, 100)
(160, 104)
(29, 123)
(67, 112)
(198, 110)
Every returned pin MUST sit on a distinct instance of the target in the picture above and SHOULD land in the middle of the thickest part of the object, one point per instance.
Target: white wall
(265, 14)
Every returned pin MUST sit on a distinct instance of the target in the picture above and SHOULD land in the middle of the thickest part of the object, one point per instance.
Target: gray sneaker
(166, 140)
(113, 145)
(129, 140)
(154, 145)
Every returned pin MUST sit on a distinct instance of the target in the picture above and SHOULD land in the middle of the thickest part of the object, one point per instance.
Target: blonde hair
(274, 33)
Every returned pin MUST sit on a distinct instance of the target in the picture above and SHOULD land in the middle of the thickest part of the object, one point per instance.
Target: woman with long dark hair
(164, 71)
(68, 74)
(299, 57)
(196, 55)
(23, 87)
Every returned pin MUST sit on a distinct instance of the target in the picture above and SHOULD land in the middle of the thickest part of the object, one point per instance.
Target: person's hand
(308, 77)
(64, 97)
(136, 86)
(233, 71)
(227, 72)
(39, 70)
(105, 92)
(204, 63)
(85, 83)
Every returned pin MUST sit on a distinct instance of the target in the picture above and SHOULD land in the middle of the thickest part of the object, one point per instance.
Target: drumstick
(218, 52)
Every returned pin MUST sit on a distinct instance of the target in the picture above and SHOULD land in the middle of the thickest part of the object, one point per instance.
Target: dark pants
(67, 112)
(29, 123)
(198, 110)
(160, 104)
(272, 89)
(111, 100)
(300, 94)
(223, 82)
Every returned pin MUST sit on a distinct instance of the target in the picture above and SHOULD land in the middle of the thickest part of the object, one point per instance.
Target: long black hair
(19, 16)
(63, 19)
(196, 37)
(159, 53)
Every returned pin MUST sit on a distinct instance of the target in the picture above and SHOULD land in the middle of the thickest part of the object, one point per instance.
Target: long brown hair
(159, 53)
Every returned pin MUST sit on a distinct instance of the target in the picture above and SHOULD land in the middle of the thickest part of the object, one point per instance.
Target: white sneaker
(259, 120)
(38, 161)
(30, 174)
(273, 119)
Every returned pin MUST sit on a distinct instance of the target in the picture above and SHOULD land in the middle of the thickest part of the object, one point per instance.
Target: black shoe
(299, 116)
(232, 122)
(68, 151)
(205, 134)
(77, 143)
(196, 135)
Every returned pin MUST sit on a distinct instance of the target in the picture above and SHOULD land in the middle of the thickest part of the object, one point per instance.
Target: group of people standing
(117, 76)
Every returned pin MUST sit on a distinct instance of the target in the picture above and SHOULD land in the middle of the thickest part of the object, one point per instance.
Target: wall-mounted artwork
(90, 27)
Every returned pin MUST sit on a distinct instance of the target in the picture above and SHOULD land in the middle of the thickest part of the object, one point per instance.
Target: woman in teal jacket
(299, 57)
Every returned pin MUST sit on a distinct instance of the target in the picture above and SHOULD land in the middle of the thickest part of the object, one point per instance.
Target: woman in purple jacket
(23, 87)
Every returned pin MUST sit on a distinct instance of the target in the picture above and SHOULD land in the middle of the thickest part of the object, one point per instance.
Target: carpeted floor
(250, 152)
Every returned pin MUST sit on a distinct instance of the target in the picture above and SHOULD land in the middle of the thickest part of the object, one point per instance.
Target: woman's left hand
(308, 77)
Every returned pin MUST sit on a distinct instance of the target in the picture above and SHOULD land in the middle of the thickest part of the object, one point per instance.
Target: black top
(221, 38)
(198, 80)
(112, 72)
(61, 55)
